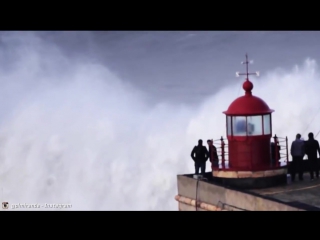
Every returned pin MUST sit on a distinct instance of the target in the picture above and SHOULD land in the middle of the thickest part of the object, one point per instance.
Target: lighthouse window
(266, 124)
(229, 126)
(254, 125)
(239, 126)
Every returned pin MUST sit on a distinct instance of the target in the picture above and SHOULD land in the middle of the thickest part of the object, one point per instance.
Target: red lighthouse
(249, 132)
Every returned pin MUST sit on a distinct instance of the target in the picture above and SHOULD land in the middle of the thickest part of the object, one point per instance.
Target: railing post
(287, 151)
(222, 153)
(276, 150)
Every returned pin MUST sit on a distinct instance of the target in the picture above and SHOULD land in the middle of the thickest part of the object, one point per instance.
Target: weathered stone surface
(267, 205)
(240, 200)
(184, 202)
(210, 193)
(280, 171)
(202, 210)
(186, 207)
(186, 186)
(203, 205)
(252, 203)
(258, 174)
(247, 174)
(227, 174)
(269, 173)
(276, 172)
(235, 209)
(244, 174)
(188, 201)
(211, 207)
(221, 174)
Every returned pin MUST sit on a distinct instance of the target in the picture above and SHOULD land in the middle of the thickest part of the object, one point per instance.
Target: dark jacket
(273, 152)
(200, 154)
(311, 148)
(213, 154)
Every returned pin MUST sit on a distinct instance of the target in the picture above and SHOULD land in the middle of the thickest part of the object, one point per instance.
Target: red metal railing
(284, 155)
(282, 160)
(222, 151)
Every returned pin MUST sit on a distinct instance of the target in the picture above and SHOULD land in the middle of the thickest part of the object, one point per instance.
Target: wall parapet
(209, 195)
(205, 206)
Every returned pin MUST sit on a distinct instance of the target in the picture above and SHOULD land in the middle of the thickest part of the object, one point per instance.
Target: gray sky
(175, 65)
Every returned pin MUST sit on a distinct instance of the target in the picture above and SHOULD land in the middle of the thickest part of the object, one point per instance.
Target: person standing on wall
(297, 152)
(213, 155)
(200, 156)
(311, 149)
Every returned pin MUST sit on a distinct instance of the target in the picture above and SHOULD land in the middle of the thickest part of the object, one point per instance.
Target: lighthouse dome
(248, 104)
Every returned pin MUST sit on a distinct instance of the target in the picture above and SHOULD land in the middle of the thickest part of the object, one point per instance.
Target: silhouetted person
(275, 155)
(200, 155)
(213, 155)
(297, 152)
(311, 149)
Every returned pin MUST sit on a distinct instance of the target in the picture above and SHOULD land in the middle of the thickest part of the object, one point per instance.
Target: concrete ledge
(192, 202)
(248, 174)
(252, 203)
(211, 195)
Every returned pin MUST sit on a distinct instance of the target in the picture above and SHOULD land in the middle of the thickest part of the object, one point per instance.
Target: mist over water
(73, 131)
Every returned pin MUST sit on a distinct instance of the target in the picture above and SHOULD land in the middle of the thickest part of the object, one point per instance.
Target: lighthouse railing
(283, 158)
(222, 146)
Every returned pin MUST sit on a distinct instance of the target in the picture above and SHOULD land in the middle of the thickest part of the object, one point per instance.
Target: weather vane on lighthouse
(247, 68)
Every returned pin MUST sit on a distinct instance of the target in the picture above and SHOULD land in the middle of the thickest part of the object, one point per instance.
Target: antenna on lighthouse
(238, 74)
